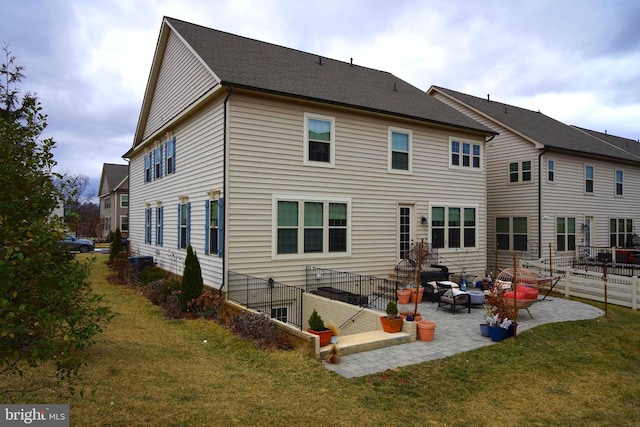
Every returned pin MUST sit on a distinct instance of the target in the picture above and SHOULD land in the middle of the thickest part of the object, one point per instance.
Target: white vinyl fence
(621, 290)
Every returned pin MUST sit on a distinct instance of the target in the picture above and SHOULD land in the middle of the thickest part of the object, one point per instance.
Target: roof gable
(539, 128)
(255, 65)
(114, 177)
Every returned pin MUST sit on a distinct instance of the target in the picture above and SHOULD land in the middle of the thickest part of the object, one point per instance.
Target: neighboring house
(266, 160)
(552, 184)
(114, 199)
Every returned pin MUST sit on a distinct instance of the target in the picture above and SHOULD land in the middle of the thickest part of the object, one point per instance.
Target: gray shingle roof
(113, 175)
(257, 65)
(627, 144)
(543, 129)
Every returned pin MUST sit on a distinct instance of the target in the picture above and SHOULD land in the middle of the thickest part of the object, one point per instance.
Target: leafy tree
(192, 283)
(47, 309)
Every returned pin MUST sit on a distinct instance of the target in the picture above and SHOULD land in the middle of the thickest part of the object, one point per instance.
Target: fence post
(634, 292)
(567, 285)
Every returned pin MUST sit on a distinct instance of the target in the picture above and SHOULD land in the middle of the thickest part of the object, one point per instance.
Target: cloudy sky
(577, 61)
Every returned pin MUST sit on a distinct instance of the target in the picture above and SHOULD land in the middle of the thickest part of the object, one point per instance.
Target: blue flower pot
(484, 329)
(497, 334)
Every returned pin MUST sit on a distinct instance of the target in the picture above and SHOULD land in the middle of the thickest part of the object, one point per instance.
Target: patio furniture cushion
(454, 299)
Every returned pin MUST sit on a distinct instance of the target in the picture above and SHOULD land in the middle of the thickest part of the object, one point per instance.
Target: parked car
(80, 245)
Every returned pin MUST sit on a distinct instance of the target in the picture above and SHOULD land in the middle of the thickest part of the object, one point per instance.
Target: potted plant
(316, 327)
(498, 315)
(391, 323)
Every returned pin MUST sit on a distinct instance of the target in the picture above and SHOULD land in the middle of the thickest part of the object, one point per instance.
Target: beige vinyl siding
(199, 170)
(565, 197)
(505, 199)
(266, 159)
(182, 80)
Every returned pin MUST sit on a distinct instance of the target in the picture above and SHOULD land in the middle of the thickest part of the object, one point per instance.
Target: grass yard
(148, 371)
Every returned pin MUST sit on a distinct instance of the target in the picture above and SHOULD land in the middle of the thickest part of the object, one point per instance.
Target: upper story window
(319, 140)
(551, 170)
(157, 162)
(311, 227)
(619, 182)
(399, 150)
(124, 200)
(171, 156)
(588, 179)
(464, 154)
(124, 223)
(148, 170)
(107, 202)
(520, 171)
(161, 160)
(453, 227)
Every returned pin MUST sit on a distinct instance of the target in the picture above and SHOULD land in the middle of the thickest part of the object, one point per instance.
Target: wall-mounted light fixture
(423, 221)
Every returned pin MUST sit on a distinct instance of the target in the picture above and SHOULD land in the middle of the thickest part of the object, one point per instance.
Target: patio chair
(454, 299)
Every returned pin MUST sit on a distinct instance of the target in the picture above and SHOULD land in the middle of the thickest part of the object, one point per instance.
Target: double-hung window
(520, 171)
(159, 225)
(157, 162)
(184, 224)
(620, 230)
(171, 156)
(565, 234)
(148, 170)
(551, 170)
(147, 225)
(310, 226)
(319, 140)
(619, 182)
(464, 154)
(588, 179)
(124, 200)
(399, 150)
(124, 223)
(512, 233)
(214, 220)
(453, 227)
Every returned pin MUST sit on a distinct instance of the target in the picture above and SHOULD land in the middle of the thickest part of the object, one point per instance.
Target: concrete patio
(455, 333)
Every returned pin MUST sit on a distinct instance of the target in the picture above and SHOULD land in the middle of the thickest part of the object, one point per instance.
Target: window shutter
(188, 224)
(221, 226)
(178, 245)
(206, 226)
(161, 225)
(146, 167)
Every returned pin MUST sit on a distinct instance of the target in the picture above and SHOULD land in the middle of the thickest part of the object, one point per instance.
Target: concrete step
(349, 344)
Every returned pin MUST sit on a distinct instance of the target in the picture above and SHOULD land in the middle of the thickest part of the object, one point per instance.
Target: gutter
(224, 189)
(542, 153)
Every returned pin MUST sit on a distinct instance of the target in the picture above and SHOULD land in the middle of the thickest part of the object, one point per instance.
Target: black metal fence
(622, 262)
(280, 301)
(356, 289)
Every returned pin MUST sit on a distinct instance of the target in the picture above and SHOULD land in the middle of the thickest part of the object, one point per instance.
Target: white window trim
(124, 216)
(471, 143)
(332, 145)
(512, 233)
(122, 196)
(301, 255)
(390, 168)
(584, 179)
(447, 205)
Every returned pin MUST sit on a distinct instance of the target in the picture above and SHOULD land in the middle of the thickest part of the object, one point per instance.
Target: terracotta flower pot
(426, 330)
(325, 336)
(416, 318)
(403, 296)
(418, 293)
(391, 325)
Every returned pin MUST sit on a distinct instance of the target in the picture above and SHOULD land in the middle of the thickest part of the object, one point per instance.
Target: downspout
(224, 188)
(542, 153)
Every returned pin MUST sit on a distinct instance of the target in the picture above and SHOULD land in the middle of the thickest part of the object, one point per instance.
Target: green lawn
(148, 371)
